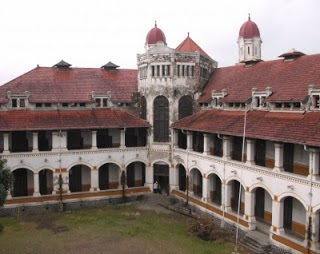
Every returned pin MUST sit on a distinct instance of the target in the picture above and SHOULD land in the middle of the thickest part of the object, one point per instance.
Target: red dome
(249, 29)
(155, 35)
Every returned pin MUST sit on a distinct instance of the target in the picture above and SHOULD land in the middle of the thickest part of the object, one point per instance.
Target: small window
(98, 102)
(65, 104)
(22, 103)
(14, 103)
(38, 105)
(82, 104)
(105, 102)
(47, 105)
(248, 50)
(278, 105)
(152, 71)
(168, 70)
(163, 70)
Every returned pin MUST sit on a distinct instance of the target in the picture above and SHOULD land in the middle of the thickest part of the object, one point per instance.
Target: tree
(6, 179)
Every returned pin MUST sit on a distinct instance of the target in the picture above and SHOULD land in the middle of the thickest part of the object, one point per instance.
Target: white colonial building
(240, 142)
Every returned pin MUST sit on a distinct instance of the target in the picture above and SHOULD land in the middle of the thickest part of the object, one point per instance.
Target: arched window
(143, 108)
(185, 106)
(161, 119)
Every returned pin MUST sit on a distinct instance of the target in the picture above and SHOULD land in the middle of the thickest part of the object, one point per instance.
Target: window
(18, 102)
(82, 104)
(102, 102)
(185, 106)
(38, 105)
(152, 71)
(14, 103)
(65, 104)
(143, 108)
(48, 105)
(22, 103)
(161, 119)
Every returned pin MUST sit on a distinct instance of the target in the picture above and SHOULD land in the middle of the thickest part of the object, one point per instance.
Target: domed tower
(154, 37)
(249, 42)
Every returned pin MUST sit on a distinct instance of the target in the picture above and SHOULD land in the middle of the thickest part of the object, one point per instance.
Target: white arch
(196, 167)
(211, 172)
(260, 185)
(294, 195)
(46, 167)
(136, 160)
(108, 161)
(79, 163)
(155, 162)
(228, 180)
(25, 167)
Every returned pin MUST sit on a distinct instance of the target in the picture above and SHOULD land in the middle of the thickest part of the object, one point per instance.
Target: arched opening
(45, 182)
(161, 119)
(235, 190)
(196, 182)
(79, 178)
(109, 174)
(161, 175)
(136, 174)
(143, 108)
(263, 206)
(23, 182)
(294, 217)
(185, 106)
(215, 189)
(182, 178)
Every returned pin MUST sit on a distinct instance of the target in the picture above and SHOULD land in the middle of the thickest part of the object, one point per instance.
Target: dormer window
(258, 97)
(216, 98)
(101, 102)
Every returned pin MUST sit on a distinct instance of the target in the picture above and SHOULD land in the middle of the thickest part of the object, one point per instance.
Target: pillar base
(36, 194)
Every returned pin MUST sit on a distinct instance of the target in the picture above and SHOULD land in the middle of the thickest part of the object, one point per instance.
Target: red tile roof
(48, 84)
(68, 119)
(289, 80)
(283, 127)
(188, 45)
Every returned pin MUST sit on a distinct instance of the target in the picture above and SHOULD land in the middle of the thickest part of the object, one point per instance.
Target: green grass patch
(123, 229)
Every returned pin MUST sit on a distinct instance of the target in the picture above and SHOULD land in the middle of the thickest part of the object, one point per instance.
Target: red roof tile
(46, 84)
(283, 127)
(289, 80)
(188, 45)
(68, 119)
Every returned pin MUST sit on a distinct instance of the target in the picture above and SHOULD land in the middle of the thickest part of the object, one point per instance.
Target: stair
(256, 241)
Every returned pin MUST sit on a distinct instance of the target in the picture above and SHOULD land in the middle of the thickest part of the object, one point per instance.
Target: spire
(249, 18)
(188, 34)
(155, 23)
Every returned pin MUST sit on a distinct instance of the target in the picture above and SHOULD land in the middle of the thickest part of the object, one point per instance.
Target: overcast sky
(91, 33)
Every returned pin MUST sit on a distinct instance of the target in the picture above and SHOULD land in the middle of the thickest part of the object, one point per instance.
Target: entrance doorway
(161, 175)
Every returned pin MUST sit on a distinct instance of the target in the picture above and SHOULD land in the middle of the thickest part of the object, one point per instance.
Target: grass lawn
(118, 229)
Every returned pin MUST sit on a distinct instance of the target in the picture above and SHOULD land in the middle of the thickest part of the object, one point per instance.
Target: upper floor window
(18, 102)
(101, 102)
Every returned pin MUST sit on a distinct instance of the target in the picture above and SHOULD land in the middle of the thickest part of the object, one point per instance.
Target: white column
(189, 141)
(122, 138)
(315, 231)
(94, 179)
(249, 209)
(173, 178)
(226, 144)
(205, 194)
(94, 140)
(277, 217)
(278, 157)
(206, 148)
(6, 143)
(313, 161)
(149, 177)
(250, 151)
(9, 196)
(175, 138)
(36, 192)
(35, 142)
(227, 196)
(59, 141)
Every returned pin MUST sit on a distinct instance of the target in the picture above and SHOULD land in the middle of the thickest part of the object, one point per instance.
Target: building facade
(240, 142)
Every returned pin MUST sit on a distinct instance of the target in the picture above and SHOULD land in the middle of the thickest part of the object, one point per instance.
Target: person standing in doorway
(155, 187)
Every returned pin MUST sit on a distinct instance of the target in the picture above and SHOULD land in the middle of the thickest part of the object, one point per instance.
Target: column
(59, 141)
(189, 141)
(94, 140)
(315, 231)
(205, 194)
(149, 177)
(277, 216)
(226, 144)
(249, 198)
(206, 148)
(227, 197)
(173, 178)
(278, 157)
(36, 192)
(6, 143)
(313, 161)
(175, 138)
(250, 151)
(94, 179)
(160, 69)
(35, 142)
(122, 138)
